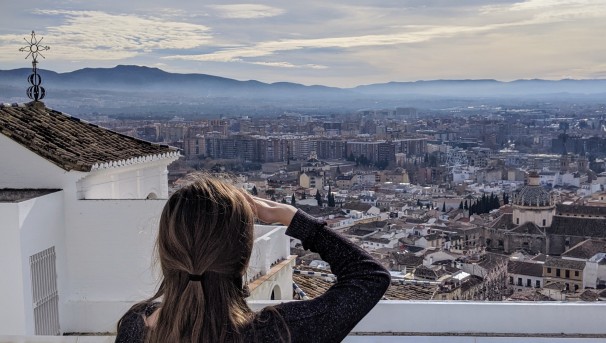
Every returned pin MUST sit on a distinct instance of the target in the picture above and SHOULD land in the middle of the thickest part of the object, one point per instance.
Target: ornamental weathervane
(34, 49)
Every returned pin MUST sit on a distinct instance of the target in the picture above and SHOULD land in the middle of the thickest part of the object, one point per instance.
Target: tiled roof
(315, 286)
(525, 268)
(586, 249)
(503, 222)
(564, 263)
(578, 210)
(528, 228)
(357, 206)
(532, 195)
(529, 295)
(71, 143)
(578, 226)
(18, 195)
(407, 259)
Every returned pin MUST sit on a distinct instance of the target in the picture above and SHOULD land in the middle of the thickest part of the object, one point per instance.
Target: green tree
(319, 198)
(444, 206)
(331, 197)
(254, 191)
(292, 200)
(461, 205)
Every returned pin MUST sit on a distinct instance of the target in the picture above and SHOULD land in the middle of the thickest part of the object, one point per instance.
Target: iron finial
(34, 49)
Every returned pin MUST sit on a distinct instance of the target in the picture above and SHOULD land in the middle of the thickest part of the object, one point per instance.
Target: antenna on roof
(34, 49)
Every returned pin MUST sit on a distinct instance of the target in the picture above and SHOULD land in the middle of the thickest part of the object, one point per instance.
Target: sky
(334, 43)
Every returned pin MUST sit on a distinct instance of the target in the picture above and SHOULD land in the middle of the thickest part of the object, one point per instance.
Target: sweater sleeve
(361, 282)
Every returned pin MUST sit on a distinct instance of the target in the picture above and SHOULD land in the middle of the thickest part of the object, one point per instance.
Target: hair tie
(193, 277)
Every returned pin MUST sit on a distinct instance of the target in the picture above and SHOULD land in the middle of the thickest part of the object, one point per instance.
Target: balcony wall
(453, 322)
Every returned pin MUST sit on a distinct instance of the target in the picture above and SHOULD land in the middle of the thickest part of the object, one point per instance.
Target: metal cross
(34, 49)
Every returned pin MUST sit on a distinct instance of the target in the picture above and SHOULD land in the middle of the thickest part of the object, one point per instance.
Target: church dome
(533, 194)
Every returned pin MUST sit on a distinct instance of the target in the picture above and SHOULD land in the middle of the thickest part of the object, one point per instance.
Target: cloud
(414, 34)
(246, 11)
(289, 65)
(95, 35)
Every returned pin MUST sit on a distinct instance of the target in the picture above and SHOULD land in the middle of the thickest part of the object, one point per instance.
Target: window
(557, 272)
(567, 273)
(511, 280)
(576, 288)
(544, 222)
(548, 270)
(519, 281)
(576, 273)
(518, 221)
(537, 284)
(528, 283)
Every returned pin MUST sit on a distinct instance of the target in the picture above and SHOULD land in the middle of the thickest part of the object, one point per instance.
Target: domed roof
(533, 194)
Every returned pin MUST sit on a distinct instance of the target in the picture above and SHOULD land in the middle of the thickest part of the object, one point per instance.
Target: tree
(444, 206)
(273, 197)
(303, 197)
(466, 207)
(284, 201)
(419, 203)
(338, 171)
(331, 197)
(461, 205)
(319, 198)
(254, 191)
(292, 200)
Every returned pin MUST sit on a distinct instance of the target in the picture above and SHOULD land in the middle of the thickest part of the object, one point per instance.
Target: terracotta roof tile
(586, 249)
(70, 143)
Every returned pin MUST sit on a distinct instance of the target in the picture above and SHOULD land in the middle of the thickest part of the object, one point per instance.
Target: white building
(79, 207)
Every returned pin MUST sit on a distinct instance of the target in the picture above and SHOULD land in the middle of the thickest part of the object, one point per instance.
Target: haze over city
(341, 43)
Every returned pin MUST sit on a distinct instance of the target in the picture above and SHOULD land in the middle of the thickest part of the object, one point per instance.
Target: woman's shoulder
(132, 325)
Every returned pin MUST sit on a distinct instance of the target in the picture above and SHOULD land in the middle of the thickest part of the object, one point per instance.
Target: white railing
(271, 246)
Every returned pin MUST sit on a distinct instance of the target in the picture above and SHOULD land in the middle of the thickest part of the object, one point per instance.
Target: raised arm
(361, 281)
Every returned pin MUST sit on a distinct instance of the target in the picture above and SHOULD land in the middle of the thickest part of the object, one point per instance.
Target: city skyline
(341, 44)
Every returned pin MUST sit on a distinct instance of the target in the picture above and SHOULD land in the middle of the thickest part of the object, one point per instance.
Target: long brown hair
(206, 228)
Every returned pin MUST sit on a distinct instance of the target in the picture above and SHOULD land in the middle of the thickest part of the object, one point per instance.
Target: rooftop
(70, 143)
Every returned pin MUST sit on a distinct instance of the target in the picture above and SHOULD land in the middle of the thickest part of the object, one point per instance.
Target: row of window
(528, 282)
(566, 272)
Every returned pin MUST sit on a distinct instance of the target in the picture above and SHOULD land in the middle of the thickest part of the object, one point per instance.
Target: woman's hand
(270, 211)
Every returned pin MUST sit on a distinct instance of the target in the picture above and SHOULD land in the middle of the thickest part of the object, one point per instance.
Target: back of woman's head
(205, 234)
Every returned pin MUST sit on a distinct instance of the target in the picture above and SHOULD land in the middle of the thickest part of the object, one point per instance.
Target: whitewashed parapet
(135, 160)
(269, 248)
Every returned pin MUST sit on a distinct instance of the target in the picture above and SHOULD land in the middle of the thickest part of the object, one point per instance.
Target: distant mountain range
(115, 86)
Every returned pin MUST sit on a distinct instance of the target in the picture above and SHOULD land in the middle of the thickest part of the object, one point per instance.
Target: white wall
(109, 259)
(281, 279)
(22, 168)
(12, 308)
(42, 226)
(533, 215)
(533, 280)
(134, 181)
(269, 248)
(461, 317)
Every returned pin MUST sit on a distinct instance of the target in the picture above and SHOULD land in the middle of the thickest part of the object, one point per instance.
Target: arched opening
(275, 293)
(151, 196)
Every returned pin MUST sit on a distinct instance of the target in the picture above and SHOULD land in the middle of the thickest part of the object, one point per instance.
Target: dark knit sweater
(361, 282)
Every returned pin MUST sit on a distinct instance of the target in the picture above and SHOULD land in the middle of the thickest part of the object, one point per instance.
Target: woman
(204, 244)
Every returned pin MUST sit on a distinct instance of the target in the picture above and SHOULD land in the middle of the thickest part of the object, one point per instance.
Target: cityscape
(478, 203)
(483, 194)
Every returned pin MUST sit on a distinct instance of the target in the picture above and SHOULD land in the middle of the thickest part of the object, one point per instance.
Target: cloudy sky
(336, 43)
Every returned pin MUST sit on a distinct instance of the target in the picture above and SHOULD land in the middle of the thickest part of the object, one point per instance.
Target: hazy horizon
(341, 44)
